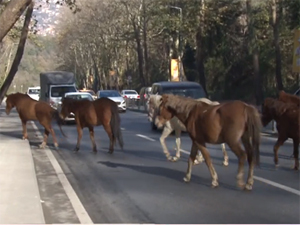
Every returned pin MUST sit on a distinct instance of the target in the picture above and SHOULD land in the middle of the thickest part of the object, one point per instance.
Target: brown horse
(287, 117)
(88, 114)
(30, 109)
(225, 123)
(289, 98)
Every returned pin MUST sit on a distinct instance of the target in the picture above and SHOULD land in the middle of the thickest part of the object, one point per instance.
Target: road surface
(138, 184)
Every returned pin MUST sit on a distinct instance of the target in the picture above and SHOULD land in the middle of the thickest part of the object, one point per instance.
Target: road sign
(296, 52)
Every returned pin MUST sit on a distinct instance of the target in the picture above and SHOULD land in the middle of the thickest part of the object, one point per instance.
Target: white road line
(145, 137)
(122, 128)
(272, 183)
(80, 211)
(292, 190)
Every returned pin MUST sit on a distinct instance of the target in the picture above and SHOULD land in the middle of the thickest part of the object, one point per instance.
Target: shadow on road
(167, 173)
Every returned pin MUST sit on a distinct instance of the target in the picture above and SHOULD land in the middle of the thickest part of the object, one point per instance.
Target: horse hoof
(42, 146)
(296, 168)
(225, 163)
(110, 152)
(76, 149)
(241, 185)
(186, 179)
(170, 158)
(248, 187)
(175, 159)
(24, 138)
(196, 162)
(214, 184)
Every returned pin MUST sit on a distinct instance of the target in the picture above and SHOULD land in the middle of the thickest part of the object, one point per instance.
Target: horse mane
(207, 101)
(180, 104)
(15, 97)
(289, 98)
(277, 107)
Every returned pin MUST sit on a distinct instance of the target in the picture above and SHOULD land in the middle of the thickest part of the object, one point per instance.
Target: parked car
(130, 94)
(34, 92)
(183, 88)
(78, 96)
(115, 96)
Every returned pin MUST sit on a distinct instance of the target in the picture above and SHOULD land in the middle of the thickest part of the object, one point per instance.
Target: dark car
(184, 88)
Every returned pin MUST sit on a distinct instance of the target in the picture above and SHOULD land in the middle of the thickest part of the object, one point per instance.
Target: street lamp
(179, 39)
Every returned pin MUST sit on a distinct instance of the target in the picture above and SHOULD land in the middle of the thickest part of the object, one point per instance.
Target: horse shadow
(166, 173)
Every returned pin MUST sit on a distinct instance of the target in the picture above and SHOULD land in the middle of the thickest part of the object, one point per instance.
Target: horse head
(66, 107)
(10, 102)
(163, 113)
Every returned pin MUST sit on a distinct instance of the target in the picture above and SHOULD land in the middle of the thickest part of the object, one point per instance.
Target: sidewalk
(19, 199)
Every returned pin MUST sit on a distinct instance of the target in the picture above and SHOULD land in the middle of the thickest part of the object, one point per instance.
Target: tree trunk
(11, 14)
(276, 17)
(19, 54)
(139, 52)
(253, 50)
(200, 48)
(145, 44)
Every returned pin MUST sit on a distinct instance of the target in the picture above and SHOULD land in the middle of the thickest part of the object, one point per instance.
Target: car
(115, 96)
(78, 96)
(130, 94)
(34, 92)
(89, 91)
(182, 88)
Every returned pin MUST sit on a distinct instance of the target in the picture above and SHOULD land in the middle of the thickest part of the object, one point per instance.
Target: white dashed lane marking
(263, 180)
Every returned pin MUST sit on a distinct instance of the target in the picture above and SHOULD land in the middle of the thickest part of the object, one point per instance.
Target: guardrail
(136, 105)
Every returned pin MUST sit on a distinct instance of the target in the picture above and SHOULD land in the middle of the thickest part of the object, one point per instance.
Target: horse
(289, 98)
(30, 109)
(287, 117)
(228, 123)
(175, 124)
(88, 114)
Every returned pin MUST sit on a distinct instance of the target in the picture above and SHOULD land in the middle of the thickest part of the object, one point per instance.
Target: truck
(54, 85)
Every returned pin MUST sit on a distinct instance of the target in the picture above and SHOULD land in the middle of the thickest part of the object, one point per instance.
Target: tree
(11, 14)
(19, 54)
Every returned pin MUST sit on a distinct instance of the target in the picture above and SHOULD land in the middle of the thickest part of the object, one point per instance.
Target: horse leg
(91, 129)
(278, 143)
(166, 132)
(199, 158)
(209, 164)
(249, 149)
(191, 160)
(241, 155)
(25, 135)
(54, 138)
(296, 153)
(79, 131)
(226, 161)
(108, 130)
(178, 144)
(44, 143)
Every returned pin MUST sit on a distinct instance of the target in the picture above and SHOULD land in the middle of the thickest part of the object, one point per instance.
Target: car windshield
(109, 94)
(80, 96)
(61, 90)
(34, 91)
(186, 92)
(130, 92)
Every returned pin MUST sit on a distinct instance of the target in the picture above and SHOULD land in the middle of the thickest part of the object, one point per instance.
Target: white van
(34, 92)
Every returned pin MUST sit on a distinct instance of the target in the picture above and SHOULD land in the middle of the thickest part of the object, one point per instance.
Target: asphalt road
(138, 184)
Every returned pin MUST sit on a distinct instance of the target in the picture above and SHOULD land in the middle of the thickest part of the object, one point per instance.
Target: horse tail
(115, 124)
(254, 126)
(59, 121)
